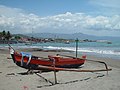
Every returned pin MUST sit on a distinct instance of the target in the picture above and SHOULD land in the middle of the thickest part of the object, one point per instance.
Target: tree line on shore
(5, 35)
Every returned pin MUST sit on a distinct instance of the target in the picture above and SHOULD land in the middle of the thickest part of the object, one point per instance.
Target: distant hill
(71, 36)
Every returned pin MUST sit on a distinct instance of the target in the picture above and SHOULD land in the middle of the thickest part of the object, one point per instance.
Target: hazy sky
(95, 17)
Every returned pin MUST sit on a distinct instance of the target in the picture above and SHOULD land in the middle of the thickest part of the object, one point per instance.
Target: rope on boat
(27, 55)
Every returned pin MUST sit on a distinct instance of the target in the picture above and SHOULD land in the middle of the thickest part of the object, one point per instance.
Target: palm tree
(3, 35)
(8, 36)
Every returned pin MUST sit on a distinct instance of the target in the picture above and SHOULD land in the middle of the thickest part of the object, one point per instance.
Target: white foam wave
(99, 51)
(64, 48)
(86, 50)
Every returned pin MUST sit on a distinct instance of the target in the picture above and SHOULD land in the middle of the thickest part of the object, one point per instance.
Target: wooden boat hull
(51, 61)
(29, 66)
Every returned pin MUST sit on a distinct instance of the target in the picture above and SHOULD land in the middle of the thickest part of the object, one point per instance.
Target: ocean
(100, 49)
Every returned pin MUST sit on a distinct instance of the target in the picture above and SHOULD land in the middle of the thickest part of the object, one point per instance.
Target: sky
(93, 17)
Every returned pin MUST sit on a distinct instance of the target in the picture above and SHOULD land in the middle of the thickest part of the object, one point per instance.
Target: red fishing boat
(28, 61)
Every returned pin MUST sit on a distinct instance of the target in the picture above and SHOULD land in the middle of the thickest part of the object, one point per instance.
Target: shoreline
(104, 52)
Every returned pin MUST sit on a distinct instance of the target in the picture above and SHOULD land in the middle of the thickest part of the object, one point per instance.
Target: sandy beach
(12, 77)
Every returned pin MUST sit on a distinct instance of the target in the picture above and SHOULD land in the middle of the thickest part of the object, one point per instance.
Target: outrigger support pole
(54, 71)
(76, 46)
(73, 70)
(102, 63)
(92, 61)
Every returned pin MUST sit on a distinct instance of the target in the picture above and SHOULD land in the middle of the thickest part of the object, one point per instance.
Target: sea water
(100, 49)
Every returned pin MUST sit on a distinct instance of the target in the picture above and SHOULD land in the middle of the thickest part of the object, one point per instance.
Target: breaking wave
(87, 50)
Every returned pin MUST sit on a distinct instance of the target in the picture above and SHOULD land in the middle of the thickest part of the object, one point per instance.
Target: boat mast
(76, 46)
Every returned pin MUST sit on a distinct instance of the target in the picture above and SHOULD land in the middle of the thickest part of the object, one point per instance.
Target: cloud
(10, 12)
(106, 7)
(106, 3)
(18, 21)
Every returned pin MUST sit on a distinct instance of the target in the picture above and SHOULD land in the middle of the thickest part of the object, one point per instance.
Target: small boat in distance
(104, 41)
(67, 42)
(109, 42)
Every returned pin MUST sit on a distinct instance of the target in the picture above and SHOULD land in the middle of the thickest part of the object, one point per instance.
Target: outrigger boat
(28, 61)
(52, 63)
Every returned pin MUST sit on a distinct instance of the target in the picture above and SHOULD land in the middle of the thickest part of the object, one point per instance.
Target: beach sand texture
(11, 77)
